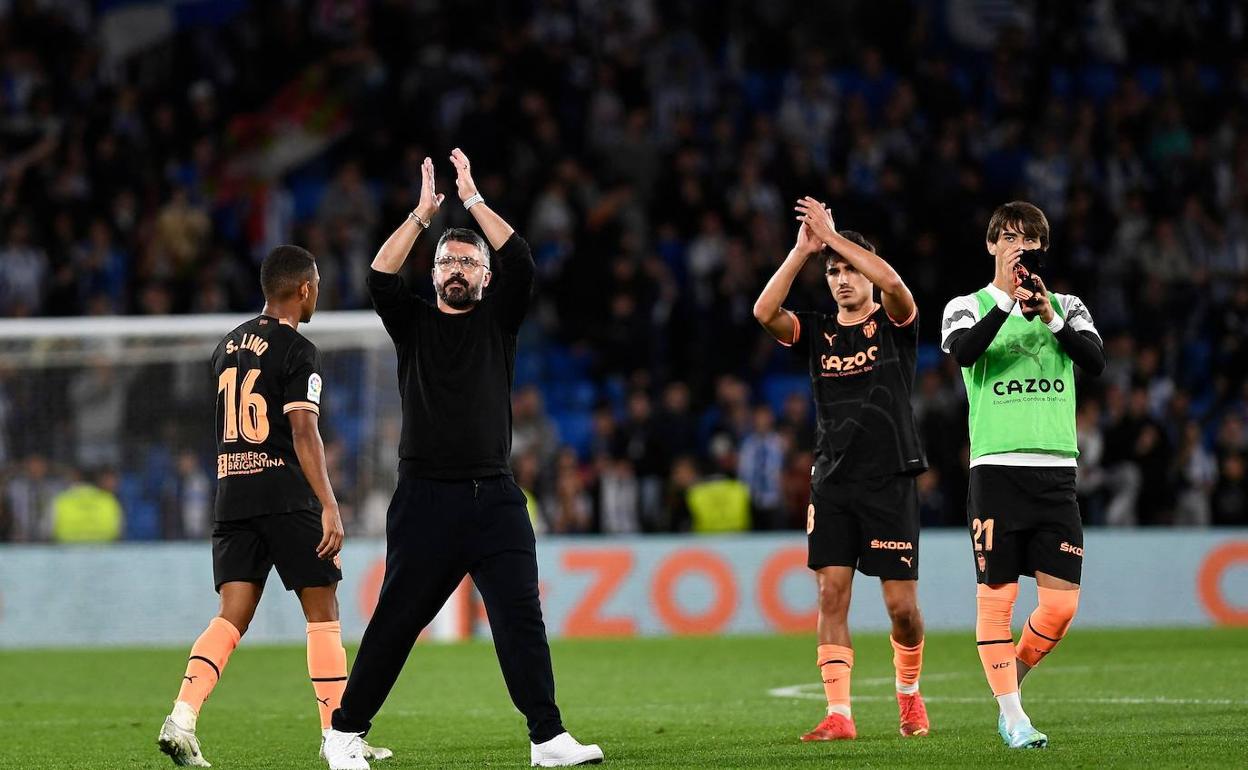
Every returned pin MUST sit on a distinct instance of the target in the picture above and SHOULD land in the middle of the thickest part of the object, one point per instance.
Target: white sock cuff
(1012, 707)
(185, 715)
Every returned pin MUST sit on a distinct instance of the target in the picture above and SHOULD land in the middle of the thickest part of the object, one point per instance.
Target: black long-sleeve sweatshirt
(456, 370)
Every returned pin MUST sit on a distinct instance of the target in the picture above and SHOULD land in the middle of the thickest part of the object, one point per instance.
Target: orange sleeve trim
(797, 330)
(902, 324)
(305, 405)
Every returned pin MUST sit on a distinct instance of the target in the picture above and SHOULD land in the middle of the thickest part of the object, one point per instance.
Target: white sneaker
(371, 753)
(563, 751)
(344, 751)
(180, 744)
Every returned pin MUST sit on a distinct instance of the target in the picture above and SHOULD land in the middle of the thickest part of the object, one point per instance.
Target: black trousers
(436, 532)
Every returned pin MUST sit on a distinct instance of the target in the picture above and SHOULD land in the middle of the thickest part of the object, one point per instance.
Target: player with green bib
(1018, 345)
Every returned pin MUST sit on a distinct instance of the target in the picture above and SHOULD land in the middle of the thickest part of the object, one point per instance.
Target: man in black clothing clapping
(457, 510)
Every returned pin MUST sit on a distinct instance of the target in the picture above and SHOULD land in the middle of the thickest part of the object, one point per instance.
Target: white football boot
(179, 741)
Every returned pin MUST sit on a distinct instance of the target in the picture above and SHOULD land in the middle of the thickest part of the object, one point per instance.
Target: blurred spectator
(23, 272)
(1090, 476)
(98, 397)
(1230, 495)
(676, 497)
(676, 427)
(1197, 475)
(532, 430)
(569, 509)
(796, 485)
(618, 498)
(187, 510)
(638, 443)
(761, 466)
(1137, 446)
(719, 504)
(29, 493)
(798, 422)
(88, 512)
(527, 471)
(179, 240)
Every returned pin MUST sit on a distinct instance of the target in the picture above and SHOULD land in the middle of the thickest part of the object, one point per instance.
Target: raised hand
(807, 244)
(430, 200)
(1008, 277)
(463, 175)
(1038, 301)
(817, 217)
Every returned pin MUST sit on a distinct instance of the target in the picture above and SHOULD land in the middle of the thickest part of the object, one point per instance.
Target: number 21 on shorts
(982, 529)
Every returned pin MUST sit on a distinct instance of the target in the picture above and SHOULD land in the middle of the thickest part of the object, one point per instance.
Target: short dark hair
(830, 255)
(464, 235)
(1026, 218)
(284, 269)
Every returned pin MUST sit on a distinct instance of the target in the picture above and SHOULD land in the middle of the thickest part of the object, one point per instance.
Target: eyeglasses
(464, 263)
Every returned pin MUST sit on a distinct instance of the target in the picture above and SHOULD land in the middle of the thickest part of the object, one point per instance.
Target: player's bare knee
(320, 603)
(905, 615)
(241, 620)
(238, 613)
(833, 600)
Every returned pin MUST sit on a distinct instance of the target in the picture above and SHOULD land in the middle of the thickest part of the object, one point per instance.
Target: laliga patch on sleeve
(314, 388)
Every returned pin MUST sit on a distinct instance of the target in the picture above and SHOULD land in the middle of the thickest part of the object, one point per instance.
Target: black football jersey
(862, 376)
(265, 370)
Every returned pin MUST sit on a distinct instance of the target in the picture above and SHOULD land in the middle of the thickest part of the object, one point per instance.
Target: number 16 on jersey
(246, 412)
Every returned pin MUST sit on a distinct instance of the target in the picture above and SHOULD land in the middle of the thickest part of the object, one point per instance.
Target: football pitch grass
(1156, 698)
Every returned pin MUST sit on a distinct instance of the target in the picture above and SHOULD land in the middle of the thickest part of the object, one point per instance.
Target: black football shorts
(246, 549)
(871, 525)
(1023, 521)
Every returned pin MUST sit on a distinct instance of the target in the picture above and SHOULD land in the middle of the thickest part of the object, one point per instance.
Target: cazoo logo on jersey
(1029, 385)
(835, 363)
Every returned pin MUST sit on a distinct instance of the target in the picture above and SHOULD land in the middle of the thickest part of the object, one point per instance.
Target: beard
(457, 293)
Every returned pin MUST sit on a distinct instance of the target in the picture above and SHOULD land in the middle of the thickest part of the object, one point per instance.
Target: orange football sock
(907, 661)
(209, 655)
(1047, 625)
(994, 607)
(835, 665)
(327, 666)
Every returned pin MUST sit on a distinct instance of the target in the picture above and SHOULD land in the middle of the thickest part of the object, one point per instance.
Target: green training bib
(1021, 391)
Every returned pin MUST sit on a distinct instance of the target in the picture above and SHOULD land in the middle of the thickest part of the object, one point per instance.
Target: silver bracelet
(474, 200)
(424, 223)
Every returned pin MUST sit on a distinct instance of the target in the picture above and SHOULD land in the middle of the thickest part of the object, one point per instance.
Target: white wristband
(474, 200)
(1003, 300)
(1056, 324)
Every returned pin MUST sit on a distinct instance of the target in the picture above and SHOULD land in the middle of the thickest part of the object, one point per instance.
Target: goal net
(126, 403)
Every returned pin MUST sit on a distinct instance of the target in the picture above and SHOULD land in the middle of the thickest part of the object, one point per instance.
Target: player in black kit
(275, 506)
(456, 510)
(863, 509)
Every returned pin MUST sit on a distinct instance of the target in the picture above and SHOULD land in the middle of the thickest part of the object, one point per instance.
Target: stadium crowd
(649, 152)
